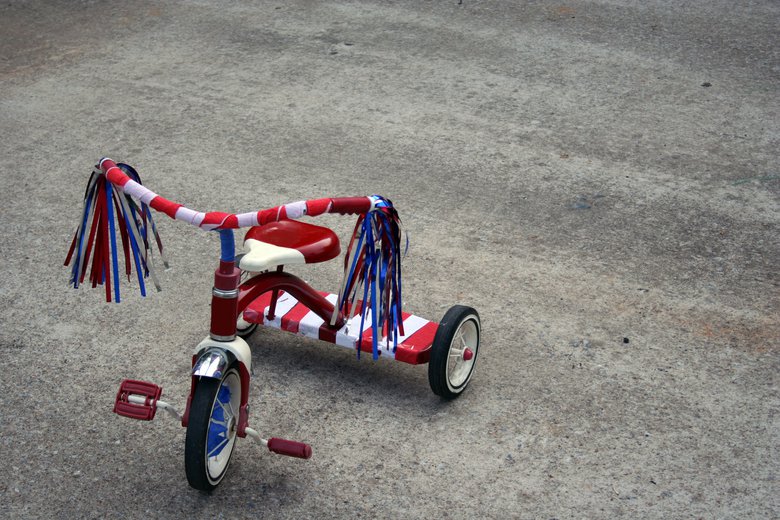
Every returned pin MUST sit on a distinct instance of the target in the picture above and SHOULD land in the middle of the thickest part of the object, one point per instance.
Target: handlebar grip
(107, 164)
(289, 448)
(113, 172)
(351, 205)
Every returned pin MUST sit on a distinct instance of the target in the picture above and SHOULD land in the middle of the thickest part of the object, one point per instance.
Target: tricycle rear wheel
(454, 352)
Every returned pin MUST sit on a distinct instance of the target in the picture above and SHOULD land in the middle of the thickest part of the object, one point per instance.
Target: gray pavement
(600, 179)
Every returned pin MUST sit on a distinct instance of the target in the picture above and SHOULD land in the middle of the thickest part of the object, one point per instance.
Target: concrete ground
(600, 179)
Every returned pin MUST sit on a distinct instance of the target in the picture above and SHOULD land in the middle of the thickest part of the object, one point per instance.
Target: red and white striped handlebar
(214, 220)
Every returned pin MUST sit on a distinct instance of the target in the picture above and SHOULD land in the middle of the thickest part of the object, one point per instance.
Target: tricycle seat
(287, 242)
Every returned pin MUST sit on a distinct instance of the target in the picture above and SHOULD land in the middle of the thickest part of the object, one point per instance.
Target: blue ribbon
(77, 259)
(112, 234)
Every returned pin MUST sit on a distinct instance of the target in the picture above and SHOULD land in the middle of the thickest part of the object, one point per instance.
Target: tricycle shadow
(281, 363)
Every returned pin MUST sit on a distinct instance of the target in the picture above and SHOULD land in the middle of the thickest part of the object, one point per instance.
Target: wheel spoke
(454, 351)
(230, 409)
(225, 408)
(459, 336)
(219, 446)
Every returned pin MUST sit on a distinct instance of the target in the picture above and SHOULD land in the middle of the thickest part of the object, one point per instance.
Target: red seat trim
(316, 243)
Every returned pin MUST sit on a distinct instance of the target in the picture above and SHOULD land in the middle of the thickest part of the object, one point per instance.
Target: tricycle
(252, 290)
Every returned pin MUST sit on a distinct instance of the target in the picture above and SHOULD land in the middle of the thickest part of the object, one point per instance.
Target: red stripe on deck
(327, 333)
(416, 349)
(367, 345)
(254, 312)
(292, 320)
(423, 338)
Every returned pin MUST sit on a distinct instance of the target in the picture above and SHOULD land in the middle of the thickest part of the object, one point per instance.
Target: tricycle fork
(224, 295)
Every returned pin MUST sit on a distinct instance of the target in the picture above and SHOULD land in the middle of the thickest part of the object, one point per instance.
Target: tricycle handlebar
(218, 220)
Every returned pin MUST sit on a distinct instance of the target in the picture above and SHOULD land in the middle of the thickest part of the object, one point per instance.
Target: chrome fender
(212, 360)
(211, 363)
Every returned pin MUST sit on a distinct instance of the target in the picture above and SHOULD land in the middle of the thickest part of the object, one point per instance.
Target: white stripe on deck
(411, 325)
(310, 324)
(284, 304)
(348, 336)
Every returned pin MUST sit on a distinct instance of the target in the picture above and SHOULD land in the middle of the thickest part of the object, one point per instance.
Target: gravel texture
(600, 179)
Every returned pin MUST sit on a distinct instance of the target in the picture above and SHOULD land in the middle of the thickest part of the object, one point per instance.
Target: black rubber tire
(245, 333)
(438, 378)
(195, 445)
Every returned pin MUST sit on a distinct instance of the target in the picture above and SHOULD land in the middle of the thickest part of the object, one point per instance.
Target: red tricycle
(252, 289)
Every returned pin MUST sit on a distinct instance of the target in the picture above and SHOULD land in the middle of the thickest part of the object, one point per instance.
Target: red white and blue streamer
(372, 271)
(95, 242)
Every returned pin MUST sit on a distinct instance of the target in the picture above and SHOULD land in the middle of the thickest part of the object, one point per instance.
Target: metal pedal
(144, 403)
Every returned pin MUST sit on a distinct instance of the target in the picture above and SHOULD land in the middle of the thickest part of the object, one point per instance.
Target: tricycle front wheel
(211, 431)
(454, 352)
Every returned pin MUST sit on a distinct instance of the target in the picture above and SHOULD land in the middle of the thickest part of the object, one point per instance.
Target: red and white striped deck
(414, 347)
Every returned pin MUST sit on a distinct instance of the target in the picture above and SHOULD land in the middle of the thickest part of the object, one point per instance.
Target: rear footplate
(414, 347)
